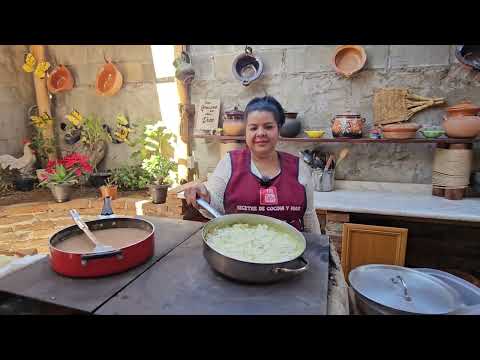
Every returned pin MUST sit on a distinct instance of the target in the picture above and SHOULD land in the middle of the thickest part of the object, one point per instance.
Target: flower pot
(159, 193)
(99, 179)
(24, 184)
(61, 192)
(292, 125)
(109, 190)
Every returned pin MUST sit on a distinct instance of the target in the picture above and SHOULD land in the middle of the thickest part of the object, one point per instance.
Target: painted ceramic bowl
(432, 133)
(314, 133)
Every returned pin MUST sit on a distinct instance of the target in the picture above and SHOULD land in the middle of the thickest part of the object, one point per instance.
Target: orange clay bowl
(109, 80)
(349, 59)
(410, 127)
(60, 79)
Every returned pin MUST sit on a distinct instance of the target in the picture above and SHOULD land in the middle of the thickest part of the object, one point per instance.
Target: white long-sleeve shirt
(218, 181)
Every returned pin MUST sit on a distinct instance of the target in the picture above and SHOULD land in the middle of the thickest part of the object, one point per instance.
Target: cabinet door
(368, 244)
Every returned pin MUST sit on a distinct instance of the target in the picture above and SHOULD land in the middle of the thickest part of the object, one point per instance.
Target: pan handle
(104, 254)
(293, 271)
(208, 207)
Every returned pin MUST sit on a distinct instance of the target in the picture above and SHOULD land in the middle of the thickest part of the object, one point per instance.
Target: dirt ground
(37, 195)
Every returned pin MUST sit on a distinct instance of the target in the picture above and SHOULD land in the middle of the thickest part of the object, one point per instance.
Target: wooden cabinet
(368, 244)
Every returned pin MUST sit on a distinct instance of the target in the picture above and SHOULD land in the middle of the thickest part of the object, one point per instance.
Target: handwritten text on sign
(208, 114)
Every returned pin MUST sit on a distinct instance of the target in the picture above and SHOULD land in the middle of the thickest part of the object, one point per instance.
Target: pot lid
(234, 112)
(348, 114)
(404, 289)
(464, 105)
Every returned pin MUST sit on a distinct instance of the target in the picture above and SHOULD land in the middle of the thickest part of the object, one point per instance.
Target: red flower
(78, 172)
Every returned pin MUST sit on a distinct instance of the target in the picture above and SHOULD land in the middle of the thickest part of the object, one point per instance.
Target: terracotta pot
(465, 108)
(109, 80)
(349, 59)
(348, 125)
(60, 79)
(247, 67)
(109, 190)
(410, 127)
(462, 126)
(233, 123)
(399, 134)
(292, 125)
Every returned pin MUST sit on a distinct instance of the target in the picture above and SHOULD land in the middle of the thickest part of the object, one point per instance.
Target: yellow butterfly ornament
(41, 121)
(75, 118)
(39, 70)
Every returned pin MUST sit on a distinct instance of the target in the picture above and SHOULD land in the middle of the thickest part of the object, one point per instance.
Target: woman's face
(262, 132)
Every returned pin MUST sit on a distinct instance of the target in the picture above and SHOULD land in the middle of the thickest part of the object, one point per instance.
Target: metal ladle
(99, 247)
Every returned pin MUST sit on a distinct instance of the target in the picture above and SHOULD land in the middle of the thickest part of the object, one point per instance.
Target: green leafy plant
(156, 139)
(131, 177)
(41, 146)
(92, 132)
(159, 167)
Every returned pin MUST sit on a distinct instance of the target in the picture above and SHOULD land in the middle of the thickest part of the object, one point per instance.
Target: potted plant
(159, 168)
(109, 188)
(61, 175)
(131, 178)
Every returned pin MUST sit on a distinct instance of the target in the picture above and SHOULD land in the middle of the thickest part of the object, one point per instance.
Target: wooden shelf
(348, 140)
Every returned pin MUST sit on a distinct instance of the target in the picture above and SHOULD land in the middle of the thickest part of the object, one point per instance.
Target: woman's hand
(195, 191)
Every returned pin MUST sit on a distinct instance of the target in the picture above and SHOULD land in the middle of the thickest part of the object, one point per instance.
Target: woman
(259, 179)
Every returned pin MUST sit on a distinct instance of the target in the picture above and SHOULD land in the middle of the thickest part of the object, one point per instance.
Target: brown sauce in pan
(116, 237)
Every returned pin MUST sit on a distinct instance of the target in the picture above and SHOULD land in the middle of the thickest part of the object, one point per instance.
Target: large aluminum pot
(395, 290)
(246, 271)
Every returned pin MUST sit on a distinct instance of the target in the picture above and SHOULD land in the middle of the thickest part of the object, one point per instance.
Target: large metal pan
(96, 264)
(395, 290)
(246, 271)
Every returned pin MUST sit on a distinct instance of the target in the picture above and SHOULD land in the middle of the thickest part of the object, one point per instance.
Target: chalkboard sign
(208, 113)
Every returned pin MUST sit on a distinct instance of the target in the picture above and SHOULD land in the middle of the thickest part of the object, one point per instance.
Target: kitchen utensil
(349, 59)
(292, 125)
(307, 156)
(109, 80)
(395, 105)
(468, 55)
(348, 125)
(99, 247)
(390, 289)
(329, 162)
(314, 133)
(245, 271)
(343, 154)
(405, 127)
(94, 264)
(60, 79)
(247, 67)
(464, 108)
(233, 122)
(462, 126)
(323, 180)
(432, 133)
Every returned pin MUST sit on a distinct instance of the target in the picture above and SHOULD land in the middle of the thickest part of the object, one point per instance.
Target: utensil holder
(323, 181)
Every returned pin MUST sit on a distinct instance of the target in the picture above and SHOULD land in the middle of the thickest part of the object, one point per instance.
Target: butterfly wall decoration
(41, 121)
(30, 65)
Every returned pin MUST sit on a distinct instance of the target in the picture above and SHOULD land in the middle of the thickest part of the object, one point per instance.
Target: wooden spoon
(343, 154)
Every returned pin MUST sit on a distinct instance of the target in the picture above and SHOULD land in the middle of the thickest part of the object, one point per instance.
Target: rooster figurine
(25, 165)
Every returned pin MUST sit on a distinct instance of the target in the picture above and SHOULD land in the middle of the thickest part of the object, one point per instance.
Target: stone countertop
(399, 204)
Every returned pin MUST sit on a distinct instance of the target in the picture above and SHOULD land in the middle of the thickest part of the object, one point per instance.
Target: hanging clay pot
(109, 80)
(292, 125)
(184, 70)
(349, 59)
(60, 79)
(247, 67)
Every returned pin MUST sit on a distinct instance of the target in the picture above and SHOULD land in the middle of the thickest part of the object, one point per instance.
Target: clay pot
(462, 126)
(465, 108)
(348, 125)
(292, 125)
(109, 190)
(468, 55)
(60, 79)
(247, 67)
(233, 123)
(400, 135)
(184, 70)
(349, 59)
(109, 80)
(410, 127)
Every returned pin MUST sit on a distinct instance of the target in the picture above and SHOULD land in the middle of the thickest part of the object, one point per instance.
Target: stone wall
(137, 98)
(302, 79)
(16, 96)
